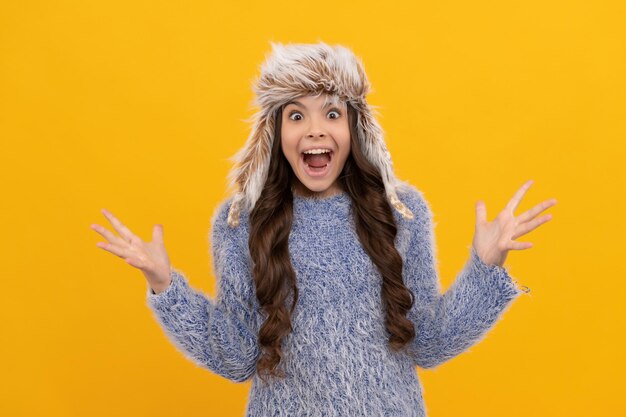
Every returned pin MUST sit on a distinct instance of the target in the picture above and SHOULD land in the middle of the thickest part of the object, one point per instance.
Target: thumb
(157, 233)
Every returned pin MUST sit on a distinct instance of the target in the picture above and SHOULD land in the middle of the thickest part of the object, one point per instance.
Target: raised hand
(493, 240)
(151, 258)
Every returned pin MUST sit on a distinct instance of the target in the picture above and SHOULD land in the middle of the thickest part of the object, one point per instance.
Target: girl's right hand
(151, 258)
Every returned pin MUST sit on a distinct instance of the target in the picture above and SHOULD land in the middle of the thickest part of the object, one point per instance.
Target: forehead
(325, 100)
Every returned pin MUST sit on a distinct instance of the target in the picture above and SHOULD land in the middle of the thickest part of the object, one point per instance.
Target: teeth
(316, 151)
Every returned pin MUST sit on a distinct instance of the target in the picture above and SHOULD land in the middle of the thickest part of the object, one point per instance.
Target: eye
(292, 113)
(295, 112)
(335, 111)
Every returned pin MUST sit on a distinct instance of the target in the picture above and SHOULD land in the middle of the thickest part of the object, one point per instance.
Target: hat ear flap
(251, 166)
(375, 150)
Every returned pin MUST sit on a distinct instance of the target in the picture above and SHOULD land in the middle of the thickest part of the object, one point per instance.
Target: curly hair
(270, 226)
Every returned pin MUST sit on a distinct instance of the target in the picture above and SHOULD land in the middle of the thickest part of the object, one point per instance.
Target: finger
(157, 233)
(533, 212)
(481, 212)
(112, 238)
(531, 225)
(114, 249)
(517, 197)
(119, 227)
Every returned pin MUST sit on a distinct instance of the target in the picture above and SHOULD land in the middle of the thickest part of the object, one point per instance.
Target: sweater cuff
(177, 291)
(501, 275)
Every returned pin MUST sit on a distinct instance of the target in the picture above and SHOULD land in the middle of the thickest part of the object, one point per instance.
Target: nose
(316, 134)
(316, 127)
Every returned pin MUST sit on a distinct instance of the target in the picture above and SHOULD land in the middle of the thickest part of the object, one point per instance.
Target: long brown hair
(270, 226)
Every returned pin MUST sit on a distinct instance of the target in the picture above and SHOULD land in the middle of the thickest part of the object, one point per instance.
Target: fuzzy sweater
(336, 358)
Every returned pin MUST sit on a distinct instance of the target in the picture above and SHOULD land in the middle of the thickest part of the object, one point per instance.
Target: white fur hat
(296, 70)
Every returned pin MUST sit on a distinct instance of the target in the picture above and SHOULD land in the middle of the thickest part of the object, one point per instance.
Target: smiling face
(315, 139)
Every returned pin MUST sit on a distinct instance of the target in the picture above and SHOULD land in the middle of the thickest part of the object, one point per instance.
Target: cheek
(288, 144)
(343, 154)
(344, 144)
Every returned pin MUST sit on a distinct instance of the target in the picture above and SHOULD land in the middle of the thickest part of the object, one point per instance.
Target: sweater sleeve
(448, 324)
(219, 335)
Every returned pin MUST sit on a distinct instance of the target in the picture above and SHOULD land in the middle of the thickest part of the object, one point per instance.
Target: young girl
(328, 293)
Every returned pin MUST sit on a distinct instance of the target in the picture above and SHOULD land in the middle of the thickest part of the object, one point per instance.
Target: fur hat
(296, 70)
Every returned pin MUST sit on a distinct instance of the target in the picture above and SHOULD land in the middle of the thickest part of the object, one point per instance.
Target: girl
(328, 293)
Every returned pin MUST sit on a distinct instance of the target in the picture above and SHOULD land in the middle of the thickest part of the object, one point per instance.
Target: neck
(301, 190)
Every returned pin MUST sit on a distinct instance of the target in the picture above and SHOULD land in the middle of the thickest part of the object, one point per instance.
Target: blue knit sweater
(336, 358)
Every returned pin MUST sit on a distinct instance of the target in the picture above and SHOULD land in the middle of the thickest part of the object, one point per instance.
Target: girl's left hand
(493, 240)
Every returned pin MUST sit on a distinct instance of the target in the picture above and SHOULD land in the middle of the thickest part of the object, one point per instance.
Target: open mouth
(317, 163)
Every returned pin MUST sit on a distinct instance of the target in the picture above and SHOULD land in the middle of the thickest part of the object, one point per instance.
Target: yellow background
(137, 106)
